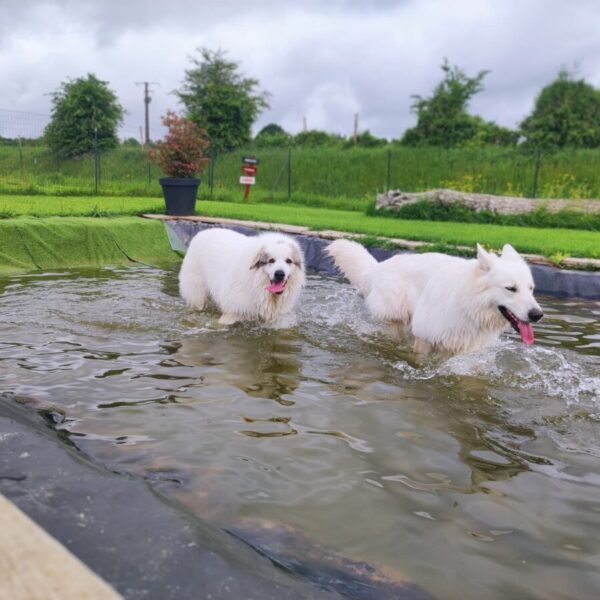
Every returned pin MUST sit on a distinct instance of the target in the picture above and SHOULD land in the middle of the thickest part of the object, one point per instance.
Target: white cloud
(325, 61)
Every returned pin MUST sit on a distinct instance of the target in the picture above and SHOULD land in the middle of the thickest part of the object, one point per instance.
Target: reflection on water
(475, 476)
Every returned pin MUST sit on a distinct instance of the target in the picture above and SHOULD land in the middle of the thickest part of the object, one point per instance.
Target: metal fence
(288, 174)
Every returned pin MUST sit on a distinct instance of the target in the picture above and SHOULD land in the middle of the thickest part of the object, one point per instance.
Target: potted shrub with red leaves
(182, 157)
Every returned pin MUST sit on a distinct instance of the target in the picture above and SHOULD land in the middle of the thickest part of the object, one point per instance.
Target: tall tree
(85, 112)
(442, 119)
(219, 99)
(566, 114)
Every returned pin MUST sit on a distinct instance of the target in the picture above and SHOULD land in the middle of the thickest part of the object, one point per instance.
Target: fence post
(389, 170)
(211, 171)
(536, 172)
(21, 155)
(96, 161)
(289, 182)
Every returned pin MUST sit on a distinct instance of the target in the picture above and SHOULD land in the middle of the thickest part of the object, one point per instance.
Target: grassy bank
(320, 174)
(552, 243)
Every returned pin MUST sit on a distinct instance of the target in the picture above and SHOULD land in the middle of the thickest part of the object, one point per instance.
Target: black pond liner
(561, 283)
(142, 545)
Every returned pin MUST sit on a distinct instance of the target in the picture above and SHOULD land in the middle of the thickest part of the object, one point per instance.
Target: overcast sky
(323, 60)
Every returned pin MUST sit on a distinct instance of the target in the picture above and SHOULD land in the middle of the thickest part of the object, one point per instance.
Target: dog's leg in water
(193, 289)
(229, 319)
(421, 346)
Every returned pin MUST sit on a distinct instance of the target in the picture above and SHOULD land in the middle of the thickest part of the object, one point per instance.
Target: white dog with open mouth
(449, 303)
(248, 278)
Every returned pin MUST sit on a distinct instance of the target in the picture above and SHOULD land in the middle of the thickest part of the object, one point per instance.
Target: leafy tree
(272, 136)
(83, 109)
(489, 133)
(220, 100)
(271, 129)
(442, 119)
(566, 114)
(366, 140)
(316, 137)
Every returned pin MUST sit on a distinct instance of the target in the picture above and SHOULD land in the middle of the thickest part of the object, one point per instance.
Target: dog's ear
(260, 259)
(509, 253)
(485, 259)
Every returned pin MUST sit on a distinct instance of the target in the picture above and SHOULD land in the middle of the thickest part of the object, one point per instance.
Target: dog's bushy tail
(354, 261)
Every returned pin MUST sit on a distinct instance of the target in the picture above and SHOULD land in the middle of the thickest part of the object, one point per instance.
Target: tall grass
(316, 176)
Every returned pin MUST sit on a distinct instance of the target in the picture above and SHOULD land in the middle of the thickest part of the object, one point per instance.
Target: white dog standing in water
(449, 303)
(248, 278)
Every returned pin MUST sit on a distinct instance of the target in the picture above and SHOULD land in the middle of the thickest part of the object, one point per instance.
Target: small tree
(85, 113)
(366, 140)
(219, 99)
(182, 154)
(442, 119)
(489, 133)
(315, 137)
(271, 129)
(566, 114)
(272, 136)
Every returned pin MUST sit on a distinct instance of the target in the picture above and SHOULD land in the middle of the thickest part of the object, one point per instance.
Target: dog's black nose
(279, 275)
(535, 314)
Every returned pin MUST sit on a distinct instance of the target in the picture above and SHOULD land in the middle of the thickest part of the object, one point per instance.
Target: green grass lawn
(552, 243)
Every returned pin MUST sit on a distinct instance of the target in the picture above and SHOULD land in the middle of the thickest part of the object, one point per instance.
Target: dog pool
(476, 476)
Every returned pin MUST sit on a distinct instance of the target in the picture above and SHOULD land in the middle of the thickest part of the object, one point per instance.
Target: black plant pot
(180, 194)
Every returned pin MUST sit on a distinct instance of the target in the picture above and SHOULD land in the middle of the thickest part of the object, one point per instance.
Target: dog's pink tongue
(276, 287)
(526, 332)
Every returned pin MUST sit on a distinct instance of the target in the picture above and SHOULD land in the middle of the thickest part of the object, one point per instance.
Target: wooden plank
(34, 566)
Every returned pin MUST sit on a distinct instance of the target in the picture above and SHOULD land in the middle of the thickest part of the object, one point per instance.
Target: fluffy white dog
(248, 278)
(450, 304)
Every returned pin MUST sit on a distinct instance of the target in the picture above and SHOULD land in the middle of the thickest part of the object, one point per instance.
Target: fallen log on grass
(505, 205)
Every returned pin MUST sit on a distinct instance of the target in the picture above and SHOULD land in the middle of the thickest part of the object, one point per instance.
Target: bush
(315, 137)
(183, 152)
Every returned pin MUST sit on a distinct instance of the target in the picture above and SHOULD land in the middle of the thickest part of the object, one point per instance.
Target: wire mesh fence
(296, 174)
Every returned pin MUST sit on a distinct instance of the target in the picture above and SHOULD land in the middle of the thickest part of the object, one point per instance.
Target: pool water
(476, 476)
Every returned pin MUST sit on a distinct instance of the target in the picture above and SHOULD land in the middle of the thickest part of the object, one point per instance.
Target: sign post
(249, 168)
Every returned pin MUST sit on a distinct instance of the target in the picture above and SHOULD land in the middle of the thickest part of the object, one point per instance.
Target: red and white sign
(249, 168)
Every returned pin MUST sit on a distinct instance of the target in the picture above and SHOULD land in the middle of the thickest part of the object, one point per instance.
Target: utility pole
(147, 100)
(355, 136)
(304, 126)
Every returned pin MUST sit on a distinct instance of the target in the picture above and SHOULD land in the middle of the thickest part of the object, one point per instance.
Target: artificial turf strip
(27, 244)
(549, 242)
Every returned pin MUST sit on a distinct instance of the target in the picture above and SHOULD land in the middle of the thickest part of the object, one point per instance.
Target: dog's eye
(271, 261)
(288, 261)
(511, 288)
